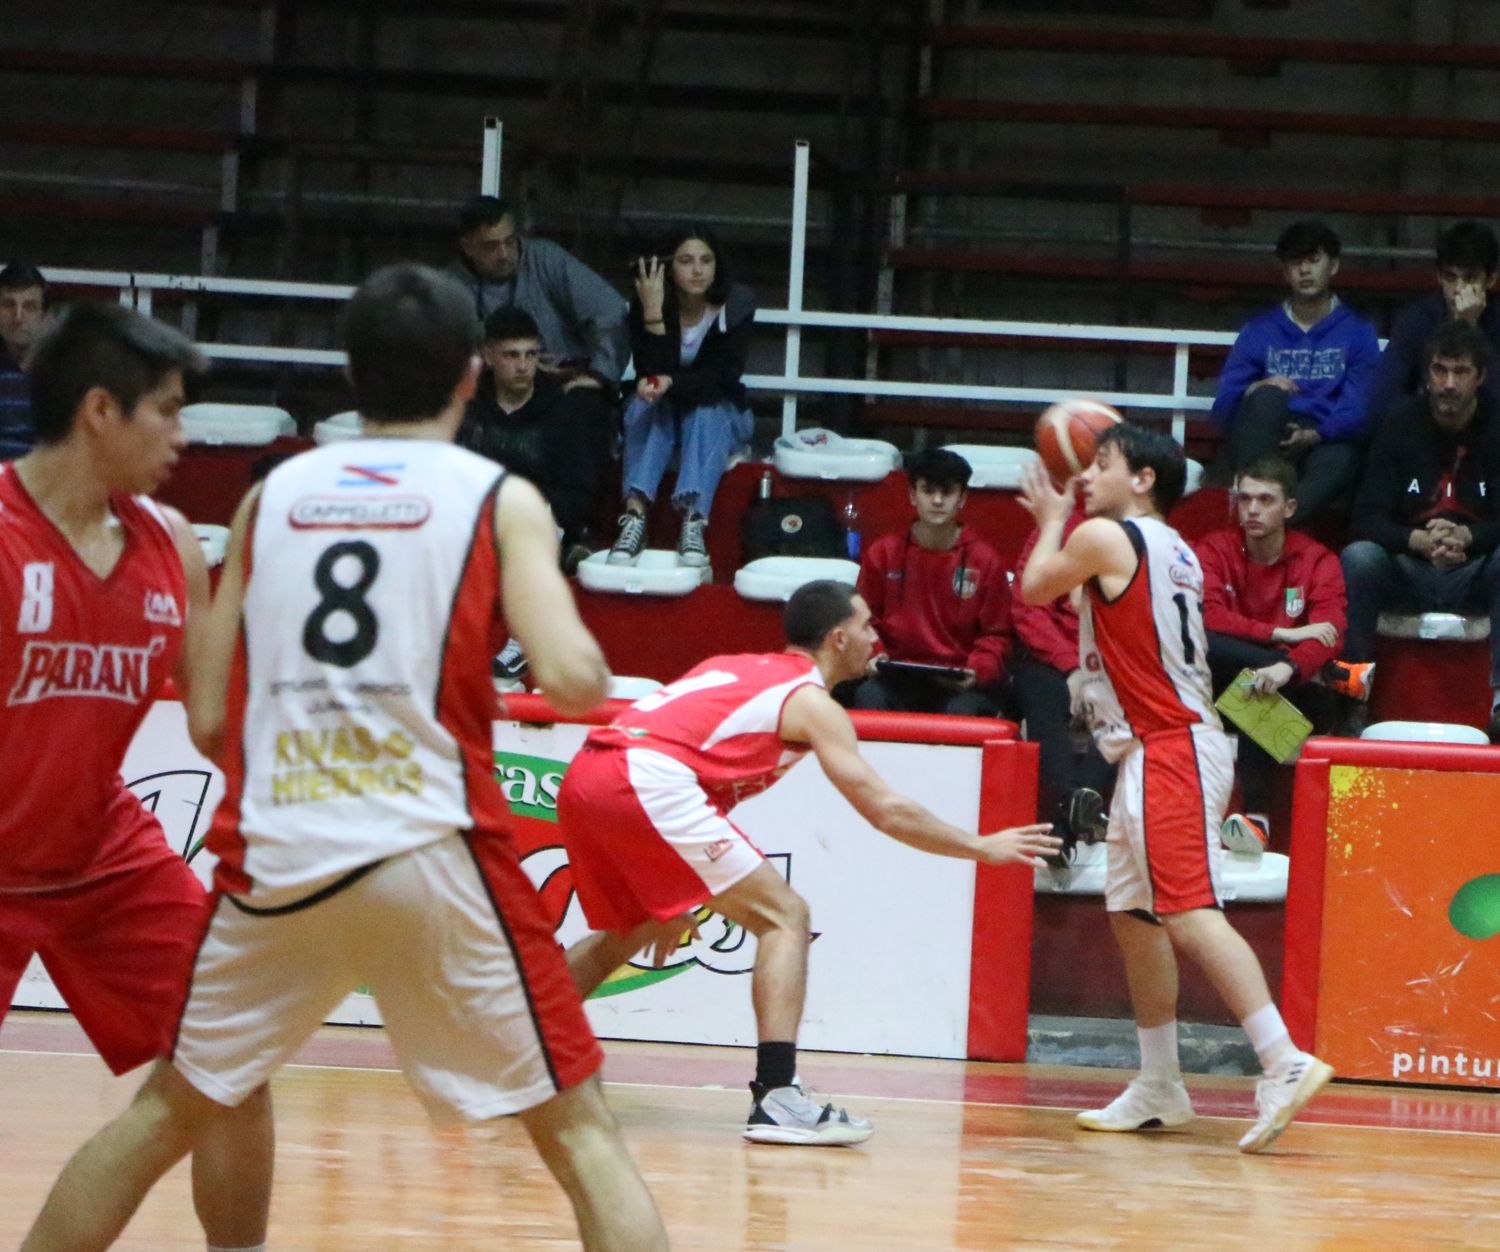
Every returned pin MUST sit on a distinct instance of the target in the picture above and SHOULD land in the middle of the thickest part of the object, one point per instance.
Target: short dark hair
(409, 332)
(483, 211)
(1304, 239)
(1150, 449)
(102, 345)
(509, 322)
(718, 290)
(1272, 469)
(1458, 337)
(1469, 246)
(814, 609)
(940, 468)
(19, 276)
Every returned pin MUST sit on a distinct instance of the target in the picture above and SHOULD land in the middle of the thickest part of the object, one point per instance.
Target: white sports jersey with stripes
(356, 738)
(1143, 656)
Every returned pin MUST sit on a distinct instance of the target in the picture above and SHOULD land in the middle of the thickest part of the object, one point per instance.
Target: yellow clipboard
(1273, 721)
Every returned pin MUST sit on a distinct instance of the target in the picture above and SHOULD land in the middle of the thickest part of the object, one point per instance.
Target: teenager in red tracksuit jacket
(938, 594)
(1273, 603)
(1046, 653)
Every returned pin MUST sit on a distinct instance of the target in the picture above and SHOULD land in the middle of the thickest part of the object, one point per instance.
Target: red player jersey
(81, 660)
(723, 719)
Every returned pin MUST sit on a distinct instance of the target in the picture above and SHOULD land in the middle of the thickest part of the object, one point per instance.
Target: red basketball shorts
(118, 950)
(644, 840)
(1164, 853)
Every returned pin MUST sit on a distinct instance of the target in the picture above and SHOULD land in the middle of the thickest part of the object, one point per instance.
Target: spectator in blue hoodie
(1299, 377)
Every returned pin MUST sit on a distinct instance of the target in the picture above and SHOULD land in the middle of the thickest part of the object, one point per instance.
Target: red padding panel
(1303, 944)
(1000, 958)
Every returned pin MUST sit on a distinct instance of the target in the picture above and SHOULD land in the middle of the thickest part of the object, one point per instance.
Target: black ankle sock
(775, 1064)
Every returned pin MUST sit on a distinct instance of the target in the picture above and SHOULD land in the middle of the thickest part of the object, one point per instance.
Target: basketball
(1067, 435)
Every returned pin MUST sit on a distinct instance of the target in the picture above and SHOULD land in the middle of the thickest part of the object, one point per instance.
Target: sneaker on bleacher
(691, 549)
(1348, 678)
(632, 538)
(1246, 833)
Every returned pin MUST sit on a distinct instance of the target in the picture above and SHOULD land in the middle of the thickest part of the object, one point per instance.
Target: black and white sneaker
(691, 550)
(1086, 816)
(786, 1115)
(510, 662)
(632, 539)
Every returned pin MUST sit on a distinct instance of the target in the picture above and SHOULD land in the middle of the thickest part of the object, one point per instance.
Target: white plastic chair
(631, 686)
(995, 468)
(1455, 626)
(339, 427)
(777, 577)
(1426, 732)
(241, 424)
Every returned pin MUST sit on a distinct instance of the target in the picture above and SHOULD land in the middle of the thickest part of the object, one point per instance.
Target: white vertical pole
(1179, 392)
(802, 154)
(494, 137)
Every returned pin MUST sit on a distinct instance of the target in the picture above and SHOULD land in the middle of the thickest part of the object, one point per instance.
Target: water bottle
(849, 515)
(765, 484)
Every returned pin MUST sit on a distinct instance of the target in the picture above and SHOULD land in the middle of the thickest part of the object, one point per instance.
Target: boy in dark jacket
(1427, 517)
(1298, 378)
(1273, 603)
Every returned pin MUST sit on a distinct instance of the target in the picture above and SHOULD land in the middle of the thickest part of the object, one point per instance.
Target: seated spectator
(531, 423)
(1426, 520)
(1468, 262)
(1273, 603)
(690, 327)
(23, 308)
(938, 595)
(1299, 377)
(1073, 779)
(581, 318)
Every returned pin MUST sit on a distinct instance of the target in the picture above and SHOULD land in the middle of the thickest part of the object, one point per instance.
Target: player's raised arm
(811, 717)
(195, 622)
(210, 658)
(1096, 547)
(565, 658)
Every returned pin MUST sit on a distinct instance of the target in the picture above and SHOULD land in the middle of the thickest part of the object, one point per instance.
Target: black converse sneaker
(786, 1115)
(691, 550)
(627, 549)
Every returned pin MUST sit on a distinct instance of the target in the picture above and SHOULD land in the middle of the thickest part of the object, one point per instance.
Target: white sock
(1159, 1052)
(1269, 1038)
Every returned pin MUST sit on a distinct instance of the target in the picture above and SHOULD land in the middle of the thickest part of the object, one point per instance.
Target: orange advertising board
(1409, 970)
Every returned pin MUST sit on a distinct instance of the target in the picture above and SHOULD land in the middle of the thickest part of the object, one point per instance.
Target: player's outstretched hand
(1041, 498)
(665, 938)
(1020, 845)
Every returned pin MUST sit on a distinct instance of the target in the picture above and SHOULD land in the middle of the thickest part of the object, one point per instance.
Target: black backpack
(792, 526)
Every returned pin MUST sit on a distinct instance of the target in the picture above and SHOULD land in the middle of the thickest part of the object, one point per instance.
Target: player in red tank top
(644, 813)
(1163, 825)
(102, 594)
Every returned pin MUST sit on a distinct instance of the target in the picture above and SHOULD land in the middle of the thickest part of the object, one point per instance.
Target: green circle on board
(1475, 908)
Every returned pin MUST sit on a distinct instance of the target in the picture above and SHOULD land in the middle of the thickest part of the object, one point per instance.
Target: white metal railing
(138, 290)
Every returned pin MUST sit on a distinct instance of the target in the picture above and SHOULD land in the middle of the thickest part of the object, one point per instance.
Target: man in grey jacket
(580, 316)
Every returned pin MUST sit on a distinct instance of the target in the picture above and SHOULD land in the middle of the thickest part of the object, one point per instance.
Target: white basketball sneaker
(786, 1115)
(1146, 1104)
(1280, 1095)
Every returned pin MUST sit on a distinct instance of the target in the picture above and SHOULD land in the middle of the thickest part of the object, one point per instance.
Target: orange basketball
(1067, 435)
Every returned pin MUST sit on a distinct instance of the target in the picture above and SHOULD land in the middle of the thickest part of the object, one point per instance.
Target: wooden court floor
(965, 1156)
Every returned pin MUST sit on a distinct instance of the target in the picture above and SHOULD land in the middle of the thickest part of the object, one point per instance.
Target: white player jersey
(1143, 656)
(361, 697)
